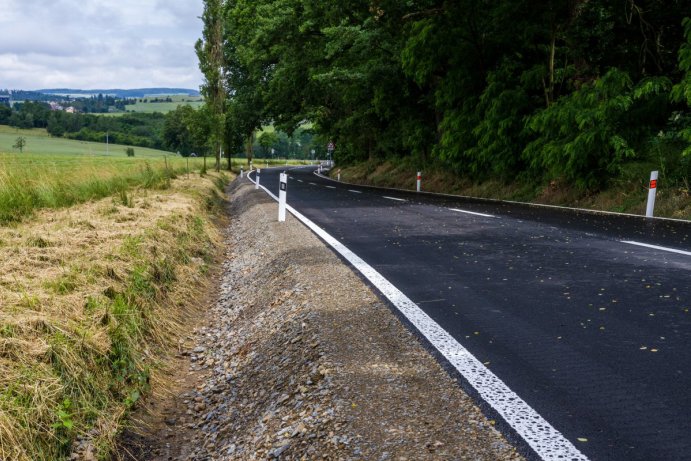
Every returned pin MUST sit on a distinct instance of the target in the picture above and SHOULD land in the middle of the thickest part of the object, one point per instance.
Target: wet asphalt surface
(593, 333)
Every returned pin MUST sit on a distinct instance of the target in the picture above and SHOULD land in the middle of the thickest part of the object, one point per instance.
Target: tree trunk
(248, 148)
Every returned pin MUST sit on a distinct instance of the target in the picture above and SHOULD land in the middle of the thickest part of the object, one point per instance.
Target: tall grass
(31, 183)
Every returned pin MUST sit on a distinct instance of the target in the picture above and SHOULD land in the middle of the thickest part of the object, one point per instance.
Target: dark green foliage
(20, 143)
(135, 129)
(187, 130)
(560, 89)
(587, 135)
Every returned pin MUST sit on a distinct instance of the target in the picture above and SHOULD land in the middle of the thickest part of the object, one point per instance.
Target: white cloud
(99, 43)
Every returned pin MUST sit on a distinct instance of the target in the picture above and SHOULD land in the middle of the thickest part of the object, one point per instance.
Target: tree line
(134, 129)
(187, 130)
(558, 89)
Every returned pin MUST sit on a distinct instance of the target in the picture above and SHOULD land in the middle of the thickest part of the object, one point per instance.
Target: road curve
(585, 317)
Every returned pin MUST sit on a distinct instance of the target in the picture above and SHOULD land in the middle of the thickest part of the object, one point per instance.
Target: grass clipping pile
(89, 297)
(300, 360)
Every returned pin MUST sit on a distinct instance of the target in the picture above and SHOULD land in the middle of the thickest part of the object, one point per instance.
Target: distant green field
(164, 107)
(38, 141)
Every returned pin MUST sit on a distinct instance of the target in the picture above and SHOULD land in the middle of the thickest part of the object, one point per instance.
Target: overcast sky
(93, 44)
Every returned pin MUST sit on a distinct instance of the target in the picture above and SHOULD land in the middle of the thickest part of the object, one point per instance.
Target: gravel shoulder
(297, 358)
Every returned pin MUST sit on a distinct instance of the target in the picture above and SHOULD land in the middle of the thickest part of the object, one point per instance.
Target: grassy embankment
(98, 275)
(628, 194)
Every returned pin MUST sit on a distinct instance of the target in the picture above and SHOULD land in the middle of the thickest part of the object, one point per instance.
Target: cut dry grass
(89, 297)
(32, 182)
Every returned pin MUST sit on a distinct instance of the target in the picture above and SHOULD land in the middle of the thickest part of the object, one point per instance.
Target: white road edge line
(472, 212)
(355, 191)
(394, 198)
(655, 247)
(547, 442)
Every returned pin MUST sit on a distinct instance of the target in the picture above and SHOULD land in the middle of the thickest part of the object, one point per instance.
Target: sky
(99, 44)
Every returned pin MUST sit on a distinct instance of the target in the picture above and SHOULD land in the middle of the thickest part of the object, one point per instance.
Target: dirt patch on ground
(298, 359)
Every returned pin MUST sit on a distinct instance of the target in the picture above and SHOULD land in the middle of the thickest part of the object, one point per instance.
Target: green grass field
(164, 107)
(55, 173)
(38, 141)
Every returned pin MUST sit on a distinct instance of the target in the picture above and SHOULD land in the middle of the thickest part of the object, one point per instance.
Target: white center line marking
(540, 435)
(312, 184)
(655, 247)
(300, 180)
(354, 191)
(330, 187)
(394, 198)
(472, 212)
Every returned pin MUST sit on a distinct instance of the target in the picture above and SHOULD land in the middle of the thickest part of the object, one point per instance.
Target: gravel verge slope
(298, 359)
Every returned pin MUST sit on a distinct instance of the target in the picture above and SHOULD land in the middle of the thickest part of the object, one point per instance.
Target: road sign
(331, 147)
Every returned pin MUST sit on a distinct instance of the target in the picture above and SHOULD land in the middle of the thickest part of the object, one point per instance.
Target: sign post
(330, 149)
(651, 194)
(282, 192)
(419, 180)
(256, 184)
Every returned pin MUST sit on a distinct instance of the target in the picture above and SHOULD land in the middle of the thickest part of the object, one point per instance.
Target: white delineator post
(419, 180)
(242, 173)
(651, 194)
(339, 175)
(256, 184)
(282, 192)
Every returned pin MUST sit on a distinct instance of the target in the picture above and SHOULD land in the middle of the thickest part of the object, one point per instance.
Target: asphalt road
(592, 332)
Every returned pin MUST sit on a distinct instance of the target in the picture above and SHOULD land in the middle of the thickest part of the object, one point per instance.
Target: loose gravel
(297, 359)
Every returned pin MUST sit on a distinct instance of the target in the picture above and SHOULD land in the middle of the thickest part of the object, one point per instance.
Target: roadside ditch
(296, 358)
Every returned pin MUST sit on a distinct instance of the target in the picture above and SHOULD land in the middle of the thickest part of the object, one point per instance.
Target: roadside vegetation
(582, 94)
(626, 194)
(102, 262)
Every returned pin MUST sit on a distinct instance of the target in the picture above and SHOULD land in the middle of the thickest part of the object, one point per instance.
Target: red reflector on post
(653, 183)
